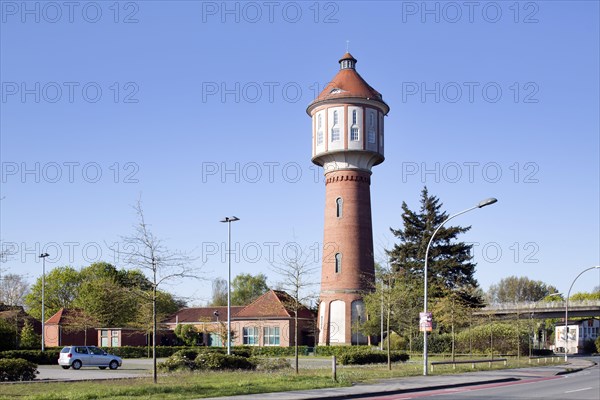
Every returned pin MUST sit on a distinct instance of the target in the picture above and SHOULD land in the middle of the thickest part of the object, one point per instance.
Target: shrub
(589, 347)
(361, 357)
(17, 369)
(218, 361)
(178, 361)
(48, 357)
(143, 351)
(542, 352)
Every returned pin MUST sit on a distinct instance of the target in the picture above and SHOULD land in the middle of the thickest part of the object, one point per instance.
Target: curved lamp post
(567, 308)
(228, 221)
(481, 204)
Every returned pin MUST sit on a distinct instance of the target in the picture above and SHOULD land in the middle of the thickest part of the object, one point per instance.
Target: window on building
(338, 263)
(371, 128)
(104, 338)
(338, 207)
(335, 130)
(250, 335)
(354, 133)
(271, 335)
(354, 117)
(319, 129)
(114, 339)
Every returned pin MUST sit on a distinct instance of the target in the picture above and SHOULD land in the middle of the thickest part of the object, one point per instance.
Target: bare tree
(146, 252)
(219, 292)
(13, 289)
(296, 273)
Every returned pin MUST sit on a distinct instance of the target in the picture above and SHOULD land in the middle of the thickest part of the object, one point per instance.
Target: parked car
(87, 356)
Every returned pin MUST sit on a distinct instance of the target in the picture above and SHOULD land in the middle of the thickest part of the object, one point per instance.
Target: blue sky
(200, 108)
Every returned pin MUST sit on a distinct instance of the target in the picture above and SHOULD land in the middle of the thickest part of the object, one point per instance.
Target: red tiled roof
(56, 318)
(348, 84)
(201, 314)
(273, 304)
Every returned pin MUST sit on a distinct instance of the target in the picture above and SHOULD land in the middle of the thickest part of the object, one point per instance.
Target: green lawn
(212, 384)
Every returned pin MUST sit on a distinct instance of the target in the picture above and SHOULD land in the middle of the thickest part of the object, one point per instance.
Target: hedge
(338, 350)
(17, 369)
(48, 357)
(269, 351)
(207, 359)
(360, 357)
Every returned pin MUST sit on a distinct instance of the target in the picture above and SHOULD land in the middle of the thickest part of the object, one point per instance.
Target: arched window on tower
(335, 130)
(320, 129)
(354, 128)
(338, 263)
(339, 203)
(371, 128)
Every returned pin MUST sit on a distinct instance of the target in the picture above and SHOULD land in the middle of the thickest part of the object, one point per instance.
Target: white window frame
(271, 336)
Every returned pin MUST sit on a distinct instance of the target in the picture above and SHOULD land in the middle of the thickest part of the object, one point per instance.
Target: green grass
(190, 385)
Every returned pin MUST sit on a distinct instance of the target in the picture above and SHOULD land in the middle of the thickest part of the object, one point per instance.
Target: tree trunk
(296, 337)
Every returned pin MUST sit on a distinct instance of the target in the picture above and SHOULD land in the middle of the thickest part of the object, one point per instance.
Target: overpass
(542, 310)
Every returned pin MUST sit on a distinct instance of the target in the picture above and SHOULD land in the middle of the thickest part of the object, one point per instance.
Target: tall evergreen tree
(450, 263)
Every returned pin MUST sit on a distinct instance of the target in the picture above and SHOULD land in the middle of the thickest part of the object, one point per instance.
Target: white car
(87, 356)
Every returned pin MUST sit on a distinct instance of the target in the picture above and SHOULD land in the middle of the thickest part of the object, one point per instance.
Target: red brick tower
(347, 142)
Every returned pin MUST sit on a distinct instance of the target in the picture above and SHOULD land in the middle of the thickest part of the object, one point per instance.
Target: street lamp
(481, 204)
(228, 221)
(43, 257)
(567, 308)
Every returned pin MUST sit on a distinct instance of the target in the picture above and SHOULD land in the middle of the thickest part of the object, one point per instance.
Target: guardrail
(472, 362)
(545, 358)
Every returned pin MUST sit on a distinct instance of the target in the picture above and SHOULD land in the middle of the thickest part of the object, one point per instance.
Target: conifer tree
(450, 263)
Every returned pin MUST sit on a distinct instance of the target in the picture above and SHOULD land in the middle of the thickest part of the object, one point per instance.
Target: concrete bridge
(542, 310)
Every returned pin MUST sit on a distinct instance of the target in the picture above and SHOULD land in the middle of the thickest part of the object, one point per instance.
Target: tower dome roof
(348, 84)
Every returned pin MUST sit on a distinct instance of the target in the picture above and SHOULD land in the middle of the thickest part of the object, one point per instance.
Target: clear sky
(200, 108)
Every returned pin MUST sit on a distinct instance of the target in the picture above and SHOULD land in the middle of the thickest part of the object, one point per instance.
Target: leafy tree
(109, 303)
(13, 289)
(7, 331)
(246, 288)
(519, 289)
(29, 339)
(219, 292)
(449, 265)
(580, 296)
(188, 334)
(62, 289)
(451, 312)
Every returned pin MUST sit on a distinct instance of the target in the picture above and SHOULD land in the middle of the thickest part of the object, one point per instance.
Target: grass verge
(213, 384)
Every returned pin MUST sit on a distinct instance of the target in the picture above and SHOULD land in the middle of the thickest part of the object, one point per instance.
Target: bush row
(17, 369)
(206, 359)
(362, 356)
(48, 357)
(337, 350)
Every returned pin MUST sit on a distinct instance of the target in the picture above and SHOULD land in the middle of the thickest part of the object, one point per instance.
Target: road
(132, 368)
(583, 385)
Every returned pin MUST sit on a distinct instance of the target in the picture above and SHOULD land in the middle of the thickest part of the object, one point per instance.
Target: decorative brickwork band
(332, 177)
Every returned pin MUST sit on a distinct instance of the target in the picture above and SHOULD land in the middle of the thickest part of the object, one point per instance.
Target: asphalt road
(583, 385)
(132, 368)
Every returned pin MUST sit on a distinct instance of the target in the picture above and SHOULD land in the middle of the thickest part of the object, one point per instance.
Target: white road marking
(578, 390)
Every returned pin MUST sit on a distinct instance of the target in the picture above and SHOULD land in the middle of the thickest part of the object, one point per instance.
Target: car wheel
(65, 367)
(102, 367)
(113, 364)
(76, 364)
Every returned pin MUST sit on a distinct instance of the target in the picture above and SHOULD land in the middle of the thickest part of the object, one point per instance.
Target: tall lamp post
(43, 257)
(228, 221)
(567, 308)
(481, 204)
